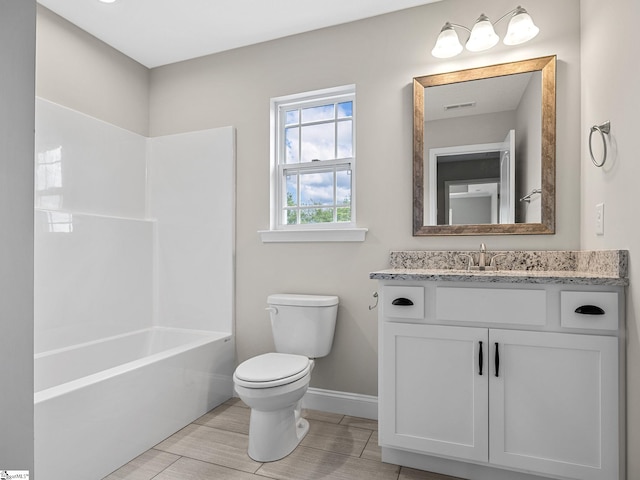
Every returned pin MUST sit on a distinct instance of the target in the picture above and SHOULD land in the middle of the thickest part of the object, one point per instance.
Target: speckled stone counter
(597, 267)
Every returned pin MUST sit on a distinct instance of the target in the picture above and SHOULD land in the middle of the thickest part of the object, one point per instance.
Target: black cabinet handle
(402, 302)
(589, 310)
(480, 358)
(497, 360)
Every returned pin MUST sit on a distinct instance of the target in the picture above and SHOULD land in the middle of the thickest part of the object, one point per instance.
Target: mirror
(484, 150)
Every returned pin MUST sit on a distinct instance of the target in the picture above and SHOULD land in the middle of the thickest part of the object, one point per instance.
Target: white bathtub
(100, 404)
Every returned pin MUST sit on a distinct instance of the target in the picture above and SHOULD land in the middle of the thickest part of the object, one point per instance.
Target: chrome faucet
(482, 262)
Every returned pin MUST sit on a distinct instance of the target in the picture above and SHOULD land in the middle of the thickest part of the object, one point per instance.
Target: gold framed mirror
(484, 143)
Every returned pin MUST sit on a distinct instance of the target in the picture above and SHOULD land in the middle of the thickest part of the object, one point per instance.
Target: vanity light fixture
(107, 1)
(482, 36)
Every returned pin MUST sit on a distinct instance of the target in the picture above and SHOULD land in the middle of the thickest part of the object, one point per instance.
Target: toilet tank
(303, 324)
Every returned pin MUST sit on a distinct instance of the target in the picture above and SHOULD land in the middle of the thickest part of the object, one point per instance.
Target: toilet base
(286, 425)
(276, 426)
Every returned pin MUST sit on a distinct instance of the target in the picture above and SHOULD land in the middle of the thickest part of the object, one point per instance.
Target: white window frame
(330, 231)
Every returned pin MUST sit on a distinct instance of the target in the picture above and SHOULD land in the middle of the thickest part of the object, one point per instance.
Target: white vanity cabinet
(440, 402)
(553, 406)
(494, 381)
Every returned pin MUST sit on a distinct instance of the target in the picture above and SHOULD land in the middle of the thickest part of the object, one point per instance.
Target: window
(315, 160)
(313, 174)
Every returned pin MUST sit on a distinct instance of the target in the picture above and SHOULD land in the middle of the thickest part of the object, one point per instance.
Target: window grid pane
(318, 114)
(345, 109)
(343, 188)
(292, 117)
(317, 142)
(344, 214)
(292, 144)
(317, 195)
(315, 134)
(317, 188)
(344, 139)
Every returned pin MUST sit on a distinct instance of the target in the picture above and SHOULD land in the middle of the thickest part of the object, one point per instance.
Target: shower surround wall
(193, 201)
(93, 243)
(134, 284)
(131, 232)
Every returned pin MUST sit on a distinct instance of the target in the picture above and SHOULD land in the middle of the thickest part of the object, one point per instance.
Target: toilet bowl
(273, 384)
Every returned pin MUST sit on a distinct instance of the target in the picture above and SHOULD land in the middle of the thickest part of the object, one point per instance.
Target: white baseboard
(344, 403)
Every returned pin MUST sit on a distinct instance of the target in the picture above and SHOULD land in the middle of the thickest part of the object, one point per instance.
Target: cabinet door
(553, 403)
(433, 398)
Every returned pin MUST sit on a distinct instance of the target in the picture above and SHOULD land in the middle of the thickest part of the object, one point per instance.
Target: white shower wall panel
(192, 197)
(86, 165)
(93, 277)
(132, 235)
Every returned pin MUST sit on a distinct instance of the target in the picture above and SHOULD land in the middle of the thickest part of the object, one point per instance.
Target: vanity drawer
(603, 315)
(491, 305)
(403, 302)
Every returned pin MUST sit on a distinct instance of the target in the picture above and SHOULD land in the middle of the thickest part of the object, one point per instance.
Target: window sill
(320, 235)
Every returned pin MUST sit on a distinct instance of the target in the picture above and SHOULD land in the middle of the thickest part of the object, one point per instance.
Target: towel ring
(603, 129)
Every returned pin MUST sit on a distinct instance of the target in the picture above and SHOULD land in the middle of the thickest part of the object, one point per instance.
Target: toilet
(273, 384)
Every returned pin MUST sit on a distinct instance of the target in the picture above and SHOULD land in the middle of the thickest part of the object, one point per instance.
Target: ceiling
(159, 32)
(489, 95)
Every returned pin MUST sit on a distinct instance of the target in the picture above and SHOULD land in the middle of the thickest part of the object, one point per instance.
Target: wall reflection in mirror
(486, 142)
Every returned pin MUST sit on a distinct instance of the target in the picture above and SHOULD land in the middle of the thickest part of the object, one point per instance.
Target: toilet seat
(271, 370)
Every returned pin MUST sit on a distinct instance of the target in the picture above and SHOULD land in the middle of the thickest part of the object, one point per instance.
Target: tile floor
(337, 447)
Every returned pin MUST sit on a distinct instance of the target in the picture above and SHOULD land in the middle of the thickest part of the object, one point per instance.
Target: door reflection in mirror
(472, 184)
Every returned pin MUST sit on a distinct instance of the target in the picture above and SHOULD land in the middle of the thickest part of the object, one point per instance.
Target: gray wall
(79, 71)
(17, 83)
(610, 79)
(471, 130)
(381, 56)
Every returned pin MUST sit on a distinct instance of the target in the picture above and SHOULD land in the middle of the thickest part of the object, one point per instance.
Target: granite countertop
(597, 267)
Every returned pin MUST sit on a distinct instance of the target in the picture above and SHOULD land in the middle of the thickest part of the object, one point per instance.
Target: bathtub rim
(206, 337)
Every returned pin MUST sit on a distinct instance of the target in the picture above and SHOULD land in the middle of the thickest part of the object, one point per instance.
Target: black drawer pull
(589, 310)
(497, 360)
(402, 302)
(480, 358)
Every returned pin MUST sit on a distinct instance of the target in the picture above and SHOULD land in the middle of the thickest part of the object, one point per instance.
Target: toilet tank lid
(302, 300)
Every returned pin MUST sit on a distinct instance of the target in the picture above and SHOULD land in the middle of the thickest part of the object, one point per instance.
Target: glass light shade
(448, 44)
(521, 28)
(483, 36)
